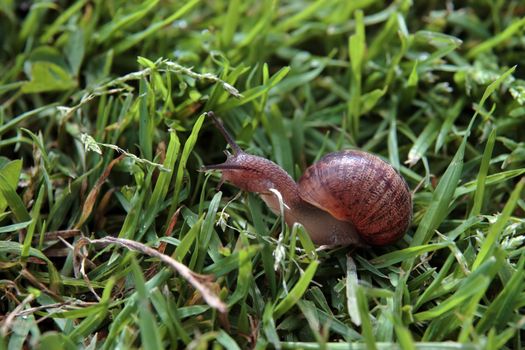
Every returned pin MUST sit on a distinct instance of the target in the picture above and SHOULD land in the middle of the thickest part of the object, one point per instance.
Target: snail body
(347, 197)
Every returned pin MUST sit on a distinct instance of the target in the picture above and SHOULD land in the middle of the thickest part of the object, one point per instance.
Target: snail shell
(360, 188)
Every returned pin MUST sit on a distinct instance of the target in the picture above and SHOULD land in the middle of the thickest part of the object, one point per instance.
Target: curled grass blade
(183, 270)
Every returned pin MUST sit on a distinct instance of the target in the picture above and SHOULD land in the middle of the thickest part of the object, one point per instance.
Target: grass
(111, 237)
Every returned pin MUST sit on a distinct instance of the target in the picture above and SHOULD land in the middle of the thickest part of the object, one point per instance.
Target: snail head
(241, 169)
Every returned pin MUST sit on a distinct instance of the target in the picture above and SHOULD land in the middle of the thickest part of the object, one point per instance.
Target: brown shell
(359, 187)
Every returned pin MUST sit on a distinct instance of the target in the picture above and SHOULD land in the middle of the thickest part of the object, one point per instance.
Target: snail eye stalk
(235, 147)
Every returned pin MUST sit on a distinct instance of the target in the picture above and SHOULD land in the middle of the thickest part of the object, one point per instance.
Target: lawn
(112, 236)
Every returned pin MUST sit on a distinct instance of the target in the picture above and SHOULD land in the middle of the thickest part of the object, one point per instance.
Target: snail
(348, 197)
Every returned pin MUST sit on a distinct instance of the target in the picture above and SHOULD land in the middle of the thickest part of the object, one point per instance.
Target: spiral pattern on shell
(363, 189)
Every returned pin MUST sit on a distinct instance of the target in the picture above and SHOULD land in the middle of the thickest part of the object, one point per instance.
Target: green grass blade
(35, 213)
(490, 180)
(15, 227)
(499, 312)
(244, 278)
(297, 291)
(146, 121)
(4, 127)
(95, 318)
(436, 283)
(205, 236)
(423, 142)
(127, 19)
(356, 48)
(254, 206)
(445, 189)
(186, 151)
(268, 326)
(255, 92)
(404, 337)
(297, 18)
(125, 316)
(470, 286)
(493, 86)
(482, 174)
(166, 314)
(351, 291)
(397, 256)
(12, 199)
(149, 331)
(55, 27)
(227, 341)
(230, 22)
(187, 241)
(497, 39)
(162, 185)
(366, 325)
(496, 229)
(11, 173)
(450, 116)
(393, 149)
(134, 39)
(441, 198)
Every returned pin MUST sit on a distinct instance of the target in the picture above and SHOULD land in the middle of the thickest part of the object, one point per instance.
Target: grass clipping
(198, 281)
